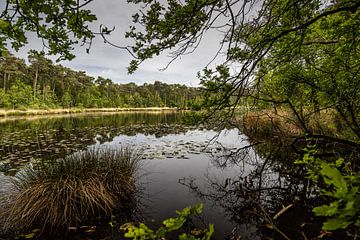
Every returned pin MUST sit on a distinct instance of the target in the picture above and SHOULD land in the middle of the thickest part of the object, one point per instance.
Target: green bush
(193, 118)
(340, 185)
(142, 232)
(20, 95)
(4, 99)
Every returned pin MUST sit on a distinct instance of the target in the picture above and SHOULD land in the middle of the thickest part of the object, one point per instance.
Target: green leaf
(171, 224)
(185, 236)
(197, 209)
(333, 176)
(4, 24)
(30, 235)
(335, 223)
(357, 223)
(174, 223)
(210, 232)
(327, 210)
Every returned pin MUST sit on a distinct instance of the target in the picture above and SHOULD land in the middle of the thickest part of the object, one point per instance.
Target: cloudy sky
(111, 62)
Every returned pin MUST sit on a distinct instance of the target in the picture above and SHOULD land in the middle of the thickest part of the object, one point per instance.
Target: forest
(41, 84)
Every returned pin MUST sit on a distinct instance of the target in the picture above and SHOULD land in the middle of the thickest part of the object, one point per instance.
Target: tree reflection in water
(269, 192)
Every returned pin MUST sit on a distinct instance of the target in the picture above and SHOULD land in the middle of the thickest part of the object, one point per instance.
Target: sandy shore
(33, 112)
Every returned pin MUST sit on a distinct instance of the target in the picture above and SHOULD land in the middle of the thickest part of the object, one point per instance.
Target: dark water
(236, 179)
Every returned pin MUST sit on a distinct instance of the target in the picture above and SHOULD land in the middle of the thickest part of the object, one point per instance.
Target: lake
(181, 165)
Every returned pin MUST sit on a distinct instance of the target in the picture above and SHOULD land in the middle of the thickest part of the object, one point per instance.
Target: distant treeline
(43, 84)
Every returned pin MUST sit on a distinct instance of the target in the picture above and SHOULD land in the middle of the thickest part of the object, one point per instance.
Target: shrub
(4, 99)
(74, 189)
(19, 94)
(339, 184)
(192, 118)
(143, 232)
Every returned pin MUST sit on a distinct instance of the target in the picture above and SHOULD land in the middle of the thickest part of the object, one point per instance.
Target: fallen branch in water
(282, 211)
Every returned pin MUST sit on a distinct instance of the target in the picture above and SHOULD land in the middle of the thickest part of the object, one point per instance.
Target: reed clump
(268, 124)
(74, 189)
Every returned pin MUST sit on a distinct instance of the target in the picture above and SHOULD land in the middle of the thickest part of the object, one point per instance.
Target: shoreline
(35, 112)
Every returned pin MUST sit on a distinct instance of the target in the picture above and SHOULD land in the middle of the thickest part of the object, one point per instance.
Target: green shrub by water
(340, 187)
(143, 232)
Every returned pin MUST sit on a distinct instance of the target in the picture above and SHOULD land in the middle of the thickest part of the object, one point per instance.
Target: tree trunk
(301, 107)
(43, 92)
(315, 103)
(35, 80)
(5, 82)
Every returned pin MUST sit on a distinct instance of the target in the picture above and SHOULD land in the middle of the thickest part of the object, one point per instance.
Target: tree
(302, 54)
(66, 100)
(4, 99)
(54, 85)
(323, 73)
(38, 64)
(59, 24)
(20, 95)
(11, 66)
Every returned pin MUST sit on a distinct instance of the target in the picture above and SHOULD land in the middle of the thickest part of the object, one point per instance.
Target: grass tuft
(74, 189)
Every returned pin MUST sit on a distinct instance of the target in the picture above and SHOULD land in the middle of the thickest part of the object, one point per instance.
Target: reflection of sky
(189, 159)
(228, 138)
(163, 192)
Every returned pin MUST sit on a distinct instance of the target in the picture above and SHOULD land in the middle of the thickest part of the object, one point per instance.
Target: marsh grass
(282, 123)
(72, 190)
(267, 124)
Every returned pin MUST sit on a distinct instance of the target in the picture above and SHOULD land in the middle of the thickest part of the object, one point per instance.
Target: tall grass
(267, 124)
(74, 189)
(283, 123)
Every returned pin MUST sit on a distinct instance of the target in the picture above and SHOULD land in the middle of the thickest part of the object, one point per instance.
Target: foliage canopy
(302, 54)
(59, 24)
(43, 84)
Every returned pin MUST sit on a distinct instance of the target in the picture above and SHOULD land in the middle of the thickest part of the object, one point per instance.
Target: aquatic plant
(74, 189)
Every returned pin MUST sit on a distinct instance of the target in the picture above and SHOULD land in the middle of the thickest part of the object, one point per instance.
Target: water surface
(181, 166)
